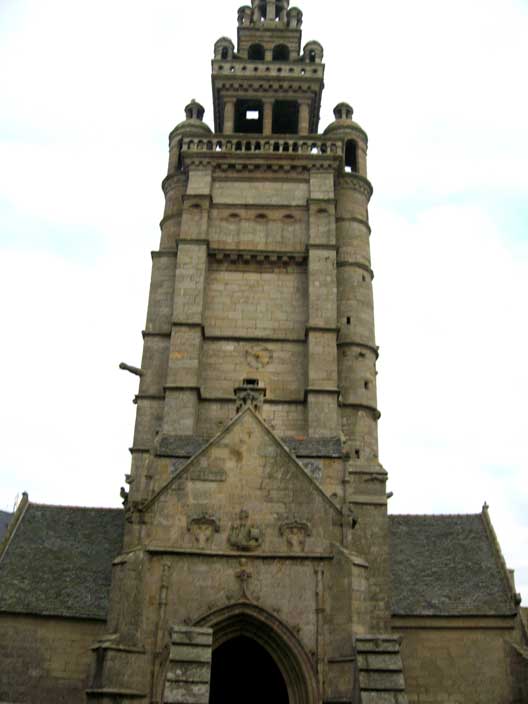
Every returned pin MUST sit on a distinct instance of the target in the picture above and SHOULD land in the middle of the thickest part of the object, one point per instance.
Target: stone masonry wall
(280, 367)
(280, 229)
(256, 300)
(45, 660)
(457, 665)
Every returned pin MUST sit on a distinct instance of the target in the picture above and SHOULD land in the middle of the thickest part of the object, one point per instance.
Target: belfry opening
(243, 670)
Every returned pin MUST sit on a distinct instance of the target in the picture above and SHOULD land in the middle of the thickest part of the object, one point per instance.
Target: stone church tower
(257, 514)
(254, 560)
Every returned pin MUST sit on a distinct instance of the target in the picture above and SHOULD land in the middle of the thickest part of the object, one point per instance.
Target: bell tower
(269, 78)
(257, 506)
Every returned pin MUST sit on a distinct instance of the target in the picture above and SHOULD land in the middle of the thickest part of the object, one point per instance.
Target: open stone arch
(253, 622)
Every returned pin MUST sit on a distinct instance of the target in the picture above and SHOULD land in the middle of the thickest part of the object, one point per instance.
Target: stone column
(229, 115)
(304, 118)
(268, 117)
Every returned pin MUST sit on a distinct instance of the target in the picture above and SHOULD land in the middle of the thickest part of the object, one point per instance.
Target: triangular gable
(244, 491)
(184, 469)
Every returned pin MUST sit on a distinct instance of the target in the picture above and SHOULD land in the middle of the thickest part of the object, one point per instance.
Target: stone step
(380, 670)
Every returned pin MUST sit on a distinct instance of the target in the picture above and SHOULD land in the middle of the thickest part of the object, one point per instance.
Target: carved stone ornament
(259, 357)
(295, 532)
(134, 512)
(351, 516)
(250, 395)
(243, 536)
(203, 527)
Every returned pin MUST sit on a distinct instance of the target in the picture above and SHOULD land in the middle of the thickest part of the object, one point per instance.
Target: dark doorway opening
(285, 117)
(249, 116)
(243, 671)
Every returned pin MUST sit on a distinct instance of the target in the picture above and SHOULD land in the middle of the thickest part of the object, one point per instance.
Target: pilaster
(322, 393)
(182, 390)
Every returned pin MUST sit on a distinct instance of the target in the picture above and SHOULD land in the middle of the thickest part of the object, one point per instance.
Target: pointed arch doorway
(243, 671)
(257, 658)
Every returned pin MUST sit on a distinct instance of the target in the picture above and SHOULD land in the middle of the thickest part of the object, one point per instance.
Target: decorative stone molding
(259, 257)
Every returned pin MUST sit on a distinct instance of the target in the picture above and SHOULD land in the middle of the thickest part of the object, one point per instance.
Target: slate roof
(190, 445)
(314, 447)
(59, 561)
(4, 522)
(446, 566)
(180, 445)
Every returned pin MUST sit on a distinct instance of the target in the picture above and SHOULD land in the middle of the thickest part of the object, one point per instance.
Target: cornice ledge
(361, 407)
(171, 180)
(358, 265)
(320, 391)
(357, 183)
(361, 345)
(160, 253)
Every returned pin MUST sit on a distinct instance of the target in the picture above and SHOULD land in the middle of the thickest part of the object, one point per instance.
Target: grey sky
(90, 91)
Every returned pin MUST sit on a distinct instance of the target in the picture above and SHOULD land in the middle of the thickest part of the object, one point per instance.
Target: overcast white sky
(89, 91)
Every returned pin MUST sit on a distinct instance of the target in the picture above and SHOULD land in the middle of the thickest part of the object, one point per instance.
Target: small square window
(252, 115)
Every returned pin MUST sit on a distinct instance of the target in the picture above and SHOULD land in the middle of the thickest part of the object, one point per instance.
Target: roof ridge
(89, 508)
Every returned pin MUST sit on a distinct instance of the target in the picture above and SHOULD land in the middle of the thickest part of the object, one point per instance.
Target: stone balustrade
(313, 146)
(259, 68)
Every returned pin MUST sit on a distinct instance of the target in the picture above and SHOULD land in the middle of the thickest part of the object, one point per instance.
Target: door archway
(279, 643)
(243, 671)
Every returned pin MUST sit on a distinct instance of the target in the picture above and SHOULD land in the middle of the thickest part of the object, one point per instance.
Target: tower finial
(343, 111)
(194, 111)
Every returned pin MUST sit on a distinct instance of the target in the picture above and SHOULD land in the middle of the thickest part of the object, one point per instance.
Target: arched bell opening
(281, 53)
(256, 52)
(276, 650)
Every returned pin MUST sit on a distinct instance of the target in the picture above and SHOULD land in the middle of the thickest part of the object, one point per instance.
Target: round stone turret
(313, 53)
(244, 15)
(194, 111)
(343, 111)
(295, 18)
(355, 139)
(192, 126)
(224, 49)
(269, 11)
